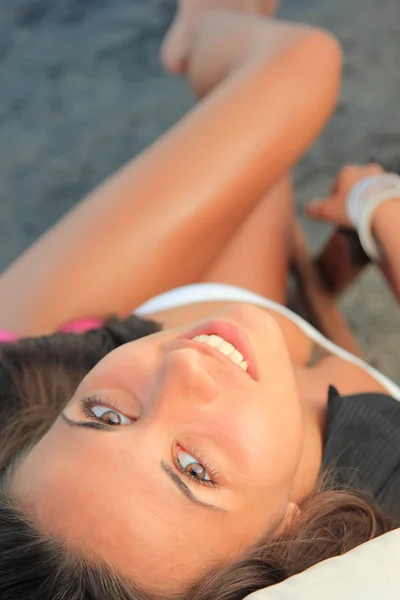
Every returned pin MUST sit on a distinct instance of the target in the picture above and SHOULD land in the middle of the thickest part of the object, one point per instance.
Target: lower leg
(177, 43)
(257, 256)
(207, 44)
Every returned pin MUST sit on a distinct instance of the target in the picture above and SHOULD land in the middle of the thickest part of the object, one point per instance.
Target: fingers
(351, 174)
(333, 208)
(329, 209)
(318, 209)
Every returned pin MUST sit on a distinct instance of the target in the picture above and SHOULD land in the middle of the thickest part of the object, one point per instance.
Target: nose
(186, 375)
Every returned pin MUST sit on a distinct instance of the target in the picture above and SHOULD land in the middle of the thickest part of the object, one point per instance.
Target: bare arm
(385, 222)
(163, 217)
(386, 228)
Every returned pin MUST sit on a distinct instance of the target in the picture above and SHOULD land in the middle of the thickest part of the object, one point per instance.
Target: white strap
(222, 292)
(362, 202)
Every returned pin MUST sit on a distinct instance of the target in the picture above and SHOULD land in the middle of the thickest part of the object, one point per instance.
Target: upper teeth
(224, 347)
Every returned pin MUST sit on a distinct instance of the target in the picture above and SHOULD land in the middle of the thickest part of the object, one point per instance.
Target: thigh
(257, 255)
(164, 219)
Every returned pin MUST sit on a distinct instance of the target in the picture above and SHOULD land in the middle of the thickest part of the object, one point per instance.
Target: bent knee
(322, 50)
(278, 36)
(328, 47)
(294, 32)
(321, 57)
(327, 55)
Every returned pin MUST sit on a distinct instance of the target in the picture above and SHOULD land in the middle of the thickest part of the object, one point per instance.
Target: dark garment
(362, 444)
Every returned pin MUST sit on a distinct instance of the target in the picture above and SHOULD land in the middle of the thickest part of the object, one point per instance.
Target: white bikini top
(220, 292)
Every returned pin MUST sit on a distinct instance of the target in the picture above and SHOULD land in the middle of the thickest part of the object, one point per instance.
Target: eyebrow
(185, 490)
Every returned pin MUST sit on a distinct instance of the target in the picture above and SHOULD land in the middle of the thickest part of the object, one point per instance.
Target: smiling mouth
(224, 347)
(226, 338)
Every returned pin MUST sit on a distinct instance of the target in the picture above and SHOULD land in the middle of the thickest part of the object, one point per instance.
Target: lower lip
(234, 335)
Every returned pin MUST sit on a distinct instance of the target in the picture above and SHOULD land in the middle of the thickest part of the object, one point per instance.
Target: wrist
(388, 211)
(385, 211)
(363, 202)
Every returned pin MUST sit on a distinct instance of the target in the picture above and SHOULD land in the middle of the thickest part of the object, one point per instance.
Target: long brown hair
(37, 378)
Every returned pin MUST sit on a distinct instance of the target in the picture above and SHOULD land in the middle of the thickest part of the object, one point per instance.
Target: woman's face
(170, 457)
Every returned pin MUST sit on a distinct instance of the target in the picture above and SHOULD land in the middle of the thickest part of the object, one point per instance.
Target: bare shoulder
(346, 377)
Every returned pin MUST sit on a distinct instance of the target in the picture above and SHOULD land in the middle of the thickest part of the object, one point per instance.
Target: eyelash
(88, 403)
(86, 408)
(213, 473)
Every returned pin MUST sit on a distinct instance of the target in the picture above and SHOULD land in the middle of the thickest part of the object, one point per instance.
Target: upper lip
(231, 333)
(206, 349)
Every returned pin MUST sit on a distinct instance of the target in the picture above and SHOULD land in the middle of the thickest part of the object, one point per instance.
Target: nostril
(185, 368)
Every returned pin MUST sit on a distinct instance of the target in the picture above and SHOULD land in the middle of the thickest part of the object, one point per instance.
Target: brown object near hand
(321, 280)
(341, 261)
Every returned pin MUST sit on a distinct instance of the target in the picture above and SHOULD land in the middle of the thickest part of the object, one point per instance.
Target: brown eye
(192, 467)
(196, 470)
(109, 416)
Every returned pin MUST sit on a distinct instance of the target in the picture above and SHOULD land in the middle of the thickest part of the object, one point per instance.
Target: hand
(332, 209)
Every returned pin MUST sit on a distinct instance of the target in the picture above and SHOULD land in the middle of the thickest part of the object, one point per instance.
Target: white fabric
(362, 202)
(369, 572)
(220, 292)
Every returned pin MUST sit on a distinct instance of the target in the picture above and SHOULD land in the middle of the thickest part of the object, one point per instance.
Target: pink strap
(81, 325)
(78, 326)
(7, 336)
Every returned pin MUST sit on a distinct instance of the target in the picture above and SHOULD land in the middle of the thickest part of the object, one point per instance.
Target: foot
(175, 48)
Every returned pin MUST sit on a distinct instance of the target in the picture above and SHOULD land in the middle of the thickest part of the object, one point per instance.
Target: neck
(314, 402)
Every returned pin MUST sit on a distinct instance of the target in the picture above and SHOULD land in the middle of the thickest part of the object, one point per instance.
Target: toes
(174, 49)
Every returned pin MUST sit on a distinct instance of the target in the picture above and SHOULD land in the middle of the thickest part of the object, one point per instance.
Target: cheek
(269, 439)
